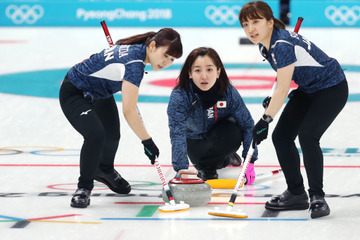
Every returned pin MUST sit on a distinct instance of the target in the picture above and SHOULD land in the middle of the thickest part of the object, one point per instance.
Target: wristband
(267, 118)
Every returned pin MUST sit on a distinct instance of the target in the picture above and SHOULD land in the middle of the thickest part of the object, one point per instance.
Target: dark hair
(164, 37)
(258, 10)
(183, 79)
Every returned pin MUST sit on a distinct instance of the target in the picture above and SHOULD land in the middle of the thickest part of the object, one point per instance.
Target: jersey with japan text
(188, 119)
(314, 70)
(101, 75)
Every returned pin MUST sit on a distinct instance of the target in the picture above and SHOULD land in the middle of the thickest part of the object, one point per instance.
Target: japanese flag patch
(274, 59)
(221, 104)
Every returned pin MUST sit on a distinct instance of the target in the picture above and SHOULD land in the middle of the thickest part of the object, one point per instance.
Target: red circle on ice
(239, 82)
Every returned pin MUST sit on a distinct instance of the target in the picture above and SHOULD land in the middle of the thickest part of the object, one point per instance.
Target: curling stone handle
(183, 173)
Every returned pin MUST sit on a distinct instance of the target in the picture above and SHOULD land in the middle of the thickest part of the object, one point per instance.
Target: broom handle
(241, 180)
(107, 33)
(163, 181)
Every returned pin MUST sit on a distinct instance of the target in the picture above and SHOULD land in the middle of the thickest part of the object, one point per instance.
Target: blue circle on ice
(46, 83)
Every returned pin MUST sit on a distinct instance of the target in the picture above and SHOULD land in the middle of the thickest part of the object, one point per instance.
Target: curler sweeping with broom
(208, 119)
(86, 98)
(313, 106)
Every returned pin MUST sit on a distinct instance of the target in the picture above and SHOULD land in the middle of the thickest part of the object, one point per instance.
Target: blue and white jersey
(101, 75)
(187, 119)
(314, 70)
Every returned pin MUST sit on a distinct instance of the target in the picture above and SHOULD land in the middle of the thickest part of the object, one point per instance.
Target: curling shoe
(288, 201)
(207, 173)
(318, 207)
(234, 160)
(81, 198)
(114, 181)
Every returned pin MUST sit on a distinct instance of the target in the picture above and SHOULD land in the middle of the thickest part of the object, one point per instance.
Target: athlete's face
(158, 58)
(204, 72)
(259, 30)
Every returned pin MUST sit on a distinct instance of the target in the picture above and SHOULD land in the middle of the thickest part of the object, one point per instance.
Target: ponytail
(165, 37)
(279, 24)
(137, 39)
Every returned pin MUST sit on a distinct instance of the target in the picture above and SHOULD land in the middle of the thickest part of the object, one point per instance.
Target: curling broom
(171, 206)
(239, 184)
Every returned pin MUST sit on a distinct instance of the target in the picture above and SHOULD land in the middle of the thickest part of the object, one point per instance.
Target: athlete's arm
(284, 78)
(130, 94)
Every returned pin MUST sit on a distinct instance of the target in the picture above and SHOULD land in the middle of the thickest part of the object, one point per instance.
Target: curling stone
(189, 189)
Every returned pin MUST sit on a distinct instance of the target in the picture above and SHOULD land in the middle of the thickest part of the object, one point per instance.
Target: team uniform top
(101, 75)
(314, 70)
(188, 119)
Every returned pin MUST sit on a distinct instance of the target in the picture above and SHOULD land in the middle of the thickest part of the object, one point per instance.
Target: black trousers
(223, 139)
(98, 122)
(307, 116)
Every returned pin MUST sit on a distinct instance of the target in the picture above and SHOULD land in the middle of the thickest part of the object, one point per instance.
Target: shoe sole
(75, 205)
(288, 208)
(320, 214)
(99, 179)
(238, 163)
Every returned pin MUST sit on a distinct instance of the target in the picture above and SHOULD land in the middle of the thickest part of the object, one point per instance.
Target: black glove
(266, 102)
(260, 132)
(151, 150)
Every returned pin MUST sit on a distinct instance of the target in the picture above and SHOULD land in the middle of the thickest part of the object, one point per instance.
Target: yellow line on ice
(228, 215)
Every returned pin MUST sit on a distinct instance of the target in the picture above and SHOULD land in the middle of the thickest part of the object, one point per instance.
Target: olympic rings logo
(222, 14)
(343, 14)
(24, 13)
(39, 150)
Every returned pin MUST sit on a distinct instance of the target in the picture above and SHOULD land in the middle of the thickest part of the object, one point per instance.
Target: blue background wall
(171, 13)
(326, 13)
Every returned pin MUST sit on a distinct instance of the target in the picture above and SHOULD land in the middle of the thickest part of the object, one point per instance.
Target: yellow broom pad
(222, 183)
